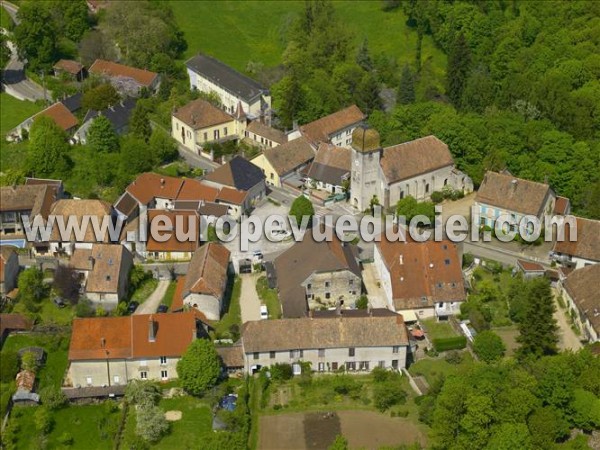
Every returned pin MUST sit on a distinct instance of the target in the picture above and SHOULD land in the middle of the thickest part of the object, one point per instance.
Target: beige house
(205, 283)
(105, 273)
(199, 123)
(420, 279)
(285, 160)
(354, 344)
(108, 351)
(264, 136)
(580, 292)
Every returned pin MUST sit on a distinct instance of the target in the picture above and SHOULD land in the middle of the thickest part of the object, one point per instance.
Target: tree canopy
(302, 207)
(199, 367)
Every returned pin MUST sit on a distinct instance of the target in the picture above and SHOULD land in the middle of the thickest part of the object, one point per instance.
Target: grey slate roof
(118, 115)
(226, 77)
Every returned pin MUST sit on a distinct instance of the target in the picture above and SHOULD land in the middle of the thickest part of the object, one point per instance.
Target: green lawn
(269, 297)
(196, 421)
(438, 330)
(237, 32)
(90, 426)
(431, 368)
(168, 297)
(56, 346)
(49, 313)
(5, 20)
(15, 111)
(143, 292)
(233, 316)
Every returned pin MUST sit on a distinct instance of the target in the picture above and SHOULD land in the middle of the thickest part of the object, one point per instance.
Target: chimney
(151, 329)
(431, 265)
(401, 259)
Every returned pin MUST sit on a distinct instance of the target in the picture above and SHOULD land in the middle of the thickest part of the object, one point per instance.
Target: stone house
(314, 275)
(336, 128)
(108, 351)
(584, 250)
(420, 279)
(285, 160)
(205, 283)
(104, 273)
(416, 168)
(72, 69)
(264, 136)
(356, 344)
(128, 81)
(330, 168)
(210, 75)
(580, 292)
(504, 194)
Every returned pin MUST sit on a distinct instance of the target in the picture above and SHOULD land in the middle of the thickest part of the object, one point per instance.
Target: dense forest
(521, 90)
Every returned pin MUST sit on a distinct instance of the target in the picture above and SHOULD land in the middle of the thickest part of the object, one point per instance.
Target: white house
(210, 75)
(108, 351)
(354, 344)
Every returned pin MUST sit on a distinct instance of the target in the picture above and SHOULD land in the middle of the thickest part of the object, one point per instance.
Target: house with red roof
(126, 80)
(109, 351)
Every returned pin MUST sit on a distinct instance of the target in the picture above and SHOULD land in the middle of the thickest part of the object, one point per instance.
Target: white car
(264, 312)
(280, 235)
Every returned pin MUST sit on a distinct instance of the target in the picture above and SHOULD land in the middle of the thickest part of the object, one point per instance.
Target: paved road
(249, 301)
(195, 160)
(374, 292)
(163, 271)
(15, 82)
(152, 302)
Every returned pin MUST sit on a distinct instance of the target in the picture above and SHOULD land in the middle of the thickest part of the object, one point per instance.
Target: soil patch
(173, 416)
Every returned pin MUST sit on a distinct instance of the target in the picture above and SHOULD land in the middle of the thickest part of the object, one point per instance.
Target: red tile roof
(561, 206)
(587, 244)
(232, 196)
(172, 244)
(528, 266)
(320, 130)
(61, 115)
(101, 338)
(113, 69)
(148, 186)
(68, 65)
(207, 272)
(197, 190)
(201, 114)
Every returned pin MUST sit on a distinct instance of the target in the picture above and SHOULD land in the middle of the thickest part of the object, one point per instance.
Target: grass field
(143, 292)
(5, 20)
(269, 297)
(14, 112)
(431, 369)
(233, 316)
(238, 32)
(168, 297)
(438, 330)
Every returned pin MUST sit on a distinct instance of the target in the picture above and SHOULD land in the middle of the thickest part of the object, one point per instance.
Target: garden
(269, 297)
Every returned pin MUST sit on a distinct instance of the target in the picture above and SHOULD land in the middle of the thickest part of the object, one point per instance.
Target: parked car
(59, 302)
(258, 255)
(280, 235)
(264, 312)
(162, 308)
(132, 307)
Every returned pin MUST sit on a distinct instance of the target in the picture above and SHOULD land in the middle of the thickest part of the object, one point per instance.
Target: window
(447, 262)
(308, 286)
(143, 375)
(117, 379)
(272, 355)
(351, 351)
(272, 175)
(427, 187)
(440, 304)
(350, 282)
(88, 380)
(225, 131)
(321, 367)
(395, 349)
(382, 364)
(363, 365)
(163, 360)
(327, 284)
(205, 137)
(395, 364)
(321, 353)
(334, 366)
(256, 355)
(327, 295)
(163, 374)
(216, 135)
(350, 366)
(296, 353)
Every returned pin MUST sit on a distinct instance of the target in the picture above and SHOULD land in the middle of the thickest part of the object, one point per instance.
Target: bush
(150, 422)
(380, 374)
(488, 346)
(53, 398)
(345, 385)
(454, 357)
(281, 372)
(65, 439)
(84, 308)
(29, 362)
(451, 343)
(437, 197)
(388, 394)
(43, 420)
(362, 302)
(138, 392)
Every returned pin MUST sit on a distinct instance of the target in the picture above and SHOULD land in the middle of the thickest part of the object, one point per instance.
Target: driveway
(567, 339)
(249, 301)
(374, 292)
(152, 302)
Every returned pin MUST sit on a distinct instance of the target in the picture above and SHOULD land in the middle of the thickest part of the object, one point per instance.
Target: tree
(408, 207)
(35, 36)
(368, 93)
(538, 334)
(71, 18)
(9, 366)
(546, 426)
(53, 398)
(48, 150)
(66, 283)
(388, 394)
(363, 57)
(101, 136)
(139, 124)
(509, 436)
(586, 410)
(406, 89)
(340, 443)
(163, 146)
(95, 45)
(43, 420)
(29, 362)
(150, 422)
(362, 302)
(302, 207)
(4, 51)
(459, 62)
(100, 97)
(199, 367)
(289, 99)
(31, 285)
(488, 346)
(136, 157)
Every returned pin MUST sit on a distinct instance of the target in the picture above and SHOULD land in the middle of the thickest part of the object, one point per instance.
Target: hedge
(451, 343)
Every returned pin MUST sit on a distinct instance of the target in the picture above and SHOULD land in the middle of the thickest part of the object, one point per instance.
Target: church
(416, 168)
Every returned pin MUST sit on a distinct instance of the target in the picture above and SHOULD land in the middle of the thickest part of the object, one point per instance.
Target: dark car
(132, 307)
(162, 308)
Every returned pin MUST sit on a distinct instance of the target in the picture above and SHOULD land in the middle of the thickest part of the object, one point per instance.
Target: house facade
(353, 344)
(331, 168)
(503, 194)
(263, 136)
(336, 128)
(23, 202)
(285, 160)
(163, 244)
(580, 292)
(421, 278)
(581, 250)
(416, 168)
(210, 75)
(108, 351)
